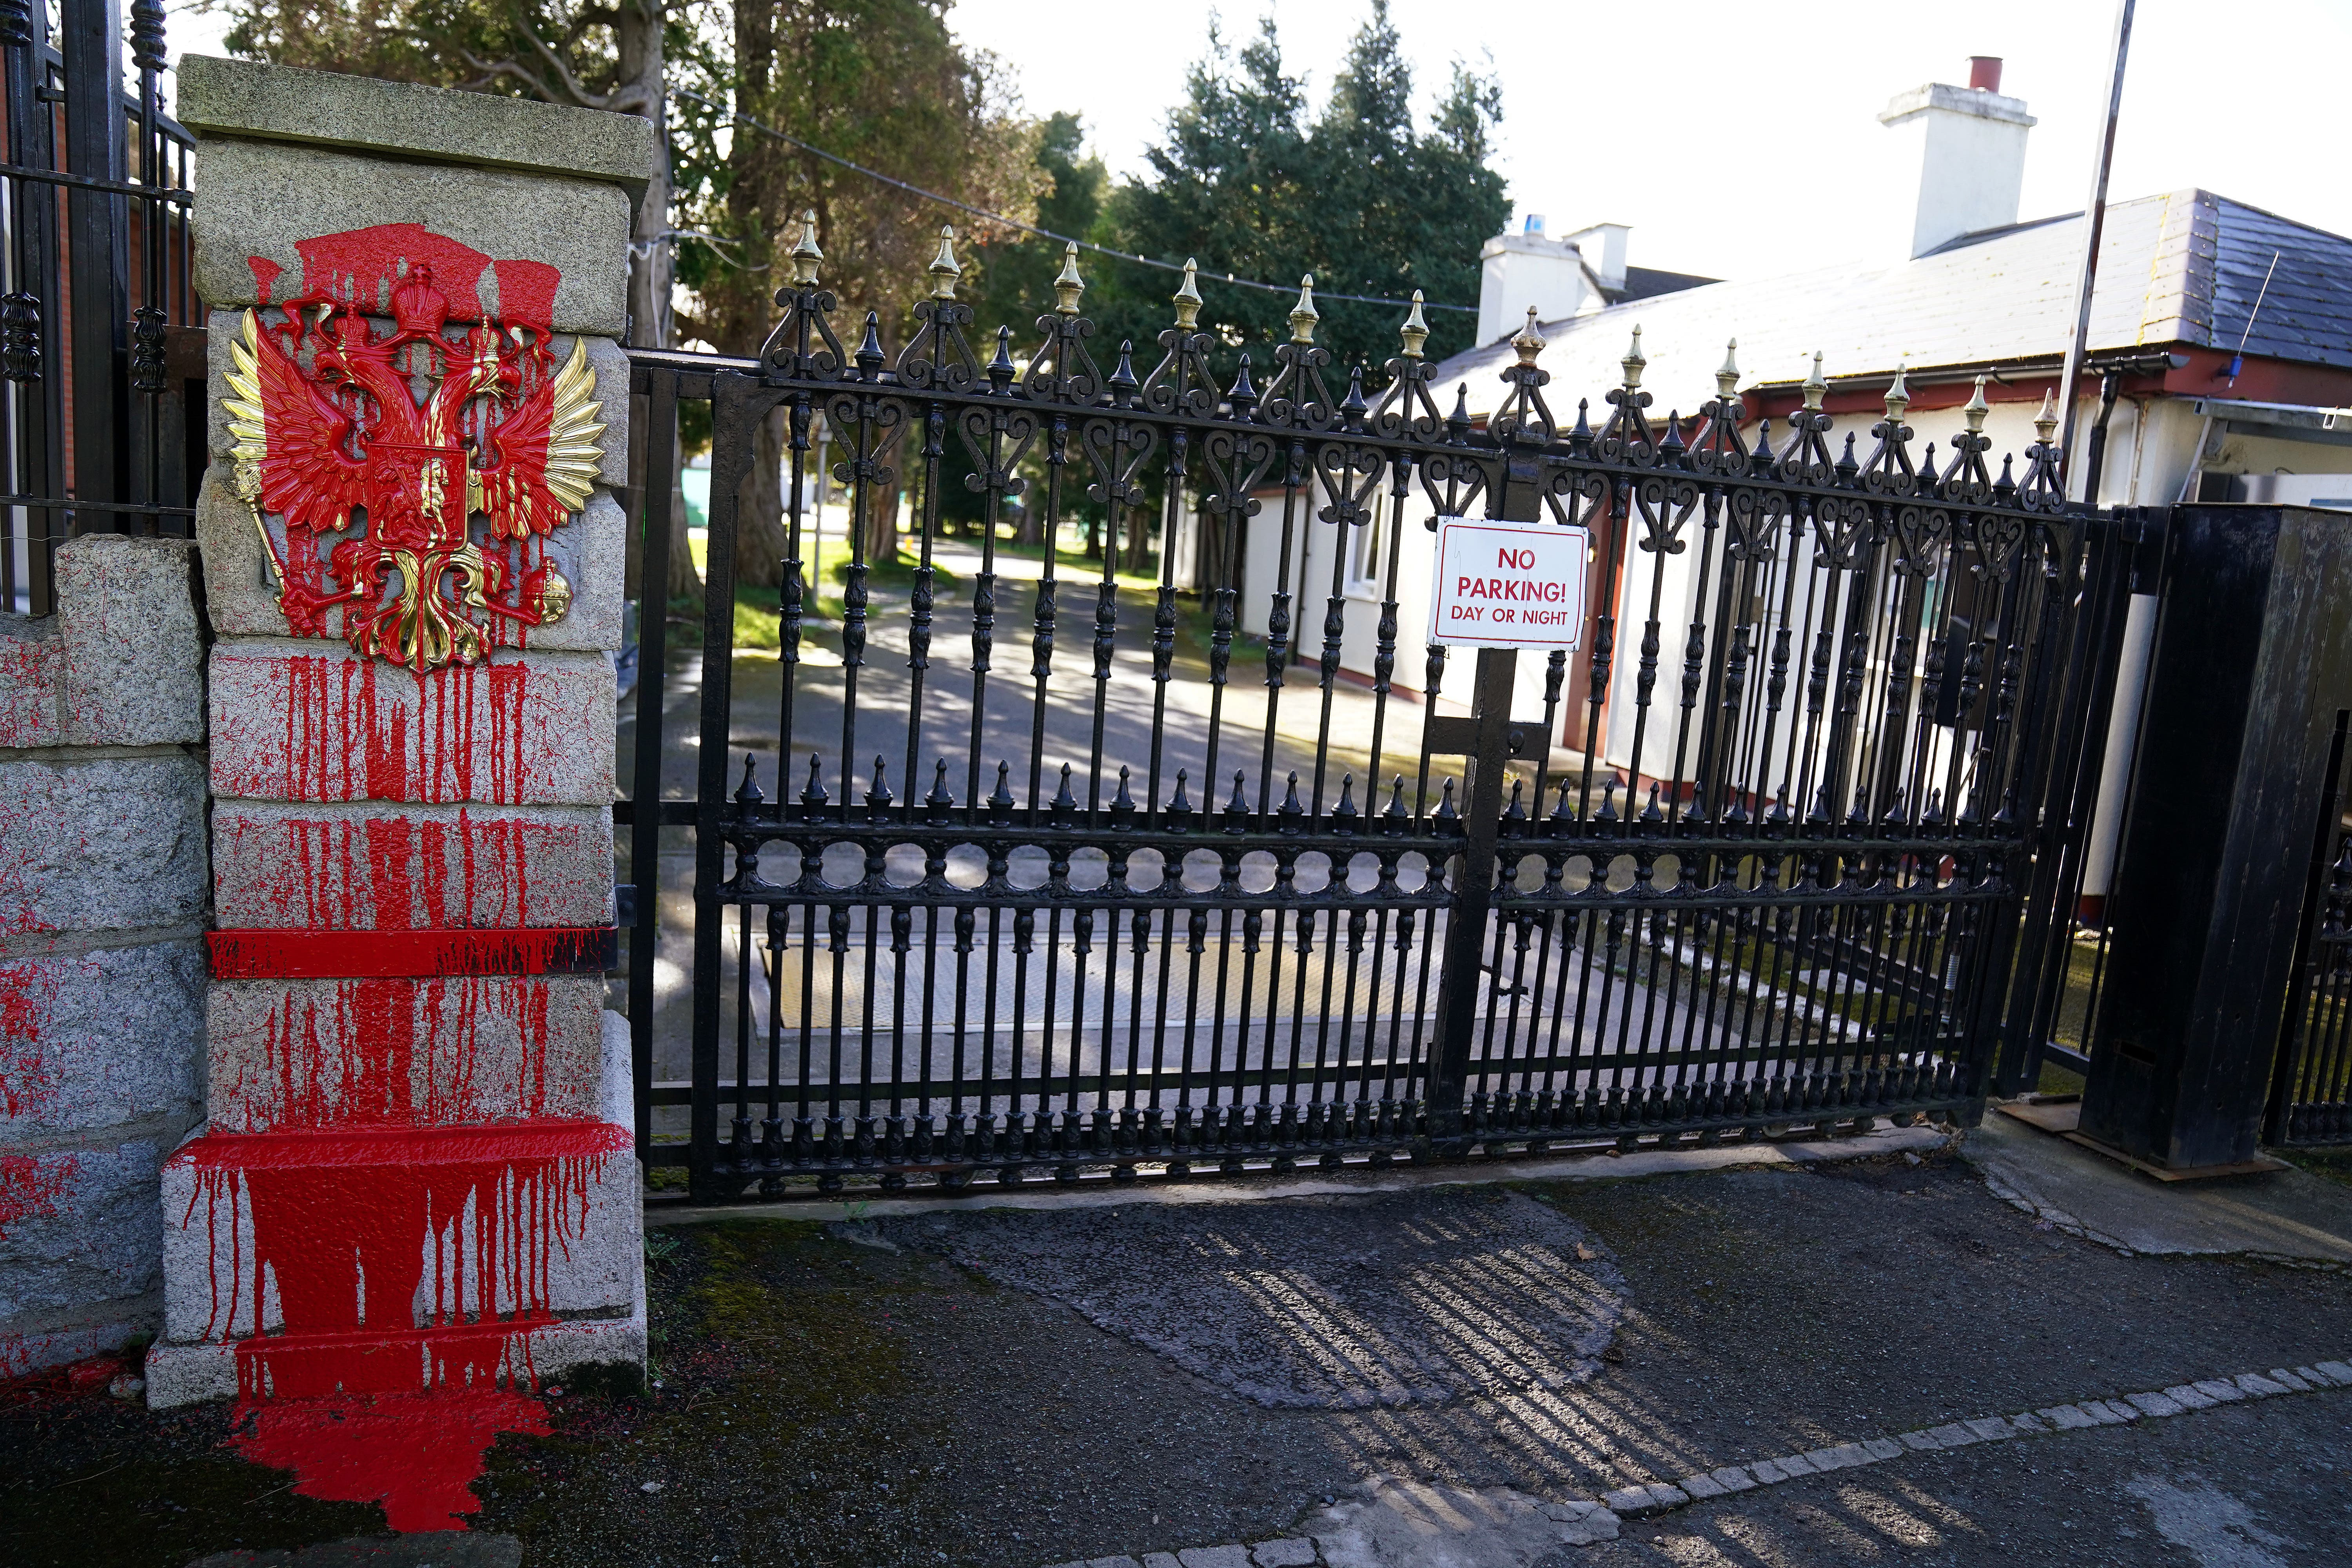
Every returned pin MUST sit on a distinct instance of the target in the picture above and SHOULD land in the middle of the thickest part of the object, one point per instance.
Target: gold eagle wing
(542, 458)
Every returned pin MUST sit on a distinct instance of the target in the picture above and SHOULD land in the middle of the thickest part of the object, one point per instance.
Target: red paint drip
(345, 1223)
(416, 1453)
(346, 737)
(364, 265)
(527, 293)
(265, 275)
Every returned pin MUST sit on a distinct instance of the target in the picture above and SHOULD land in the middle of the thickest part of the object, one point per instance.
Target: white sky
(1740, 141)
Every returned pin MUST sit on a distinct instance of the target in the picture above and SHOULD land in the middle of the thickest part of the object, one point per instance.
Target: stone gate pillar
(416, 1174)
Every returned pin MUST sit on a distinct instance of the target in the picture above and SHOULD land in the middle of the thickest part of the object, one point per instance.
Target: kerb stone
(267, 102)
(317, 723)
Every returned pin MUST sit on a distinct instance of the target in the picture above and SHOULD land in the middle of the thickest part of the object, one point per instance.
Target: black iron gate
(102, 336)
(2311, 1092)
(1008, 861)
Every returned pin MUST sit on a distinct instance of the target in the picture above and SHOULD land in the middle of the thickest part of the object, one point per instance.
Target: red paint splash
(345, 1219)
(411, 1270)
(30, 1186)
(454, 1050)
(28, 1083)
(484, 735)
(396, 873)
(527, 292)
(416, 1453)
(365, 265)
(29, 672)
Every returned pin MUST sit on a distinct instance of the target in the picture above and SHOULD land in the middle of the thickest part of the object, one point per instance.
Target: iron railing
(1106, 897)
(100, 333)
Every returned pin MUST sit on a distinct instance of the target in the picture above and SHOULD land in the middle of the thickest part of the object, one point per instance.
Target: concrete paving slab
(2287, 1214)
(1376, 1299)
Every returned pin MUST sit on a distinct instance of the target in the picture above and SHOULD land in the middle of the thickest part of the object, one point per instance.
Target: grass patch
(2334, 1163)
(758, 610)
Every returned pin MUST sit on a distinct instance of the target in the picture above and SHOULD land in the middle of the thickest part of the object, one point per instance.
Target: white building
(1971, 291)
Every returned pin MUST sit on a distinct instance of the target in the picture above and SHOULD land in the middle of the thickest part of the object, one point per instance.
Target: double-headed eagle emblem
(401, 439)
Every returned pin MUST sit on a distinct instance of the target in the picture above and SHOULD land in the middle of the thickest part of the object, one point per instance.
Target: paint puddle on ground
(416, 1453)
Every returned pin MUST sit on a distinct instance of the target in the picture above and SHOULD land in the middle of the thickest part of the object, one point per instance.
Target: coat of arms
(401, 439)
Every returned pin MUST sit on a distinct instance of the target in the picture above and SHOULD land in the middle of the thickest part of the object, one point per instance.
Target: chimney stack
(1517, 271)
(1968, 147)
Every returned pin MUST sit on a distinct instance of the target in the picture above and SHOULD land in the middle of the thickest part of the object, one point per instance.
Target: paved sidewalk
(1432, 1369)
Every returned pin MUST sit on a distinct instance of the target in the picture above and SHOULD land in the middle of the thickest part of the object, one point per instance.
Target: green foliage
(1246, 181)
(881, 82)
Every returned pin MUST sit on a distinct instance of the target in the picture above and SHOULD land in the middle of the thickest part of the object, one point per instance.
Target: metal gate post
(1474, 893)
(90, 39)
(1493, 741)
(736, 410)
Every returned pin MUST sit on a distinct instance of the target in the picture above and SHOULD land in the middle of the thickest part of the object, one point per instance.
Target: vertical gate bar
(91, 44)
(645, 812)
(737, 407)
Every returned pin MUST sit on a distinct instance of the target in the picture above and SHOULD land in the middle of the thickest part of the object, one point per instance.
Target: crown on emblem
(417, 306)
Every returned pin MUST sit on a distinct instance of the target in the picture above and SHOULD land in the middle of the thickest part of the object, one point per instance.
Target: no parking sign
(1508, 585)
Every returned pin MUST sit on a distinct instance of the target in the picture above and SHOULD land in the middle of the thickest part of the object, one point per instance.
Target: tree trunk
(882, 528)
(759, 539)
(644, 75)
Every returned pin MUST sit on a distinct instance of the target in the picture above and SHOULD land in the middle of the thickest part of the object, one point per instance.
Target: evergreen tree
(1358, 196)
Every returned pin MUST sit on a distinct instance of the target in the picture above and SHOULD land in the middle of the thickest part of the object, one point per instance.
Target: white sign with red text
(1508, 585)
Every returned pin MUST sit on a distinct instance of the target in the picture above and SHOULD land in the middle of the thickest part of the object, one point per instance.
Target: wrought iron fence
(1000, 869)
(100, 333)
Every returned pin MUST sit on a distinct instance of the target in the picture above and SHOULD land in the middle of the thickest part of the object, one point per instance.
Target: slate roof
(2183, 268)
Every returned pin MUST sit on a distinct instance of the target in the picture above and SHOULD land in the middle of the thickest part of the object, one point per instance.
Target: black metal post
(99, 244)
(1516, 500)
(660, 436)
(736, 412)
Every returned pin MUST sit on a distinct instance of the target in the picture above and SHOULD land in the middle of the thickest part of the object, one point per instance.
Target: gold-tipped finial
(1815, 388)
(943, 268)
(1415, 331)
(1726, 380)
(1634, 362)
(1975, 409)
(806, 254)
(1898, 396)
(1304, 315)
(1068, 285)
(2046, 423)
(1529, 342)
(1188, 299)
